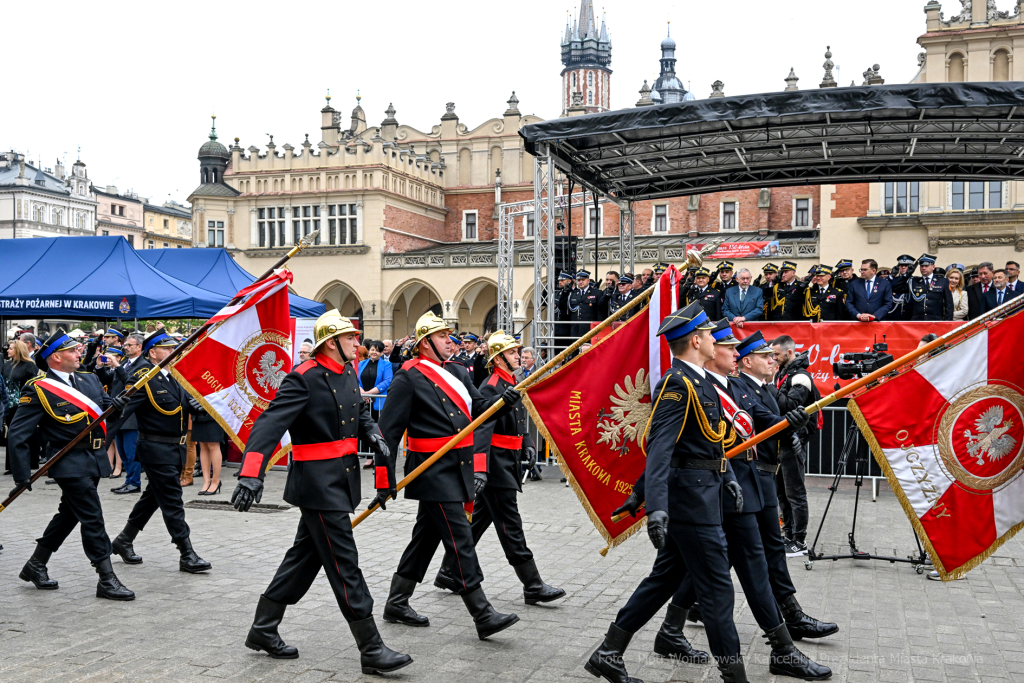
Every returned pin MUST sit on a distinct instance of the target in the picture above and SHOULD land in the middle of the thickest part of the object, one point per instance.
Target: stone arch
(1002, 63)
(473, 303)
(465, 166)
(337, 294)
(408, 302)
(956, 67)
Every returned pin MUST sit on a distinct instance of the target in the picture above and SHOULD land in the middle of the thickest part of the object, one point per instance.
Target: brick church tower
(587, 58)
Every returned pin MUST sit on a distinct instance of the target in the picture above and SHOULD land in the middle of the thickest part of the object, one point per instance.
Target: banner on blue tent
(112, 306)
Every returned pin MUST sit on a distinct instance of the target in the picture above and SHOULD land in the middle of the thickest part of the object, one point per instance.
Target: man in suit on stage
(869, 297)
(743, 303)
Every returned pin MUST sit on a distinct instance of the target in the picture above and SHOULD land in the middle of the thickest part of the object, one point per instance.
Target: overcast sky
(133, 84)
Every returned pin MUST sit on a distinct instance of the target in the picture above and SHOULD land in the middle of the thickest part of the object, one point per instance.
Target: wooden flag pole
(694, 257)
(130, 391)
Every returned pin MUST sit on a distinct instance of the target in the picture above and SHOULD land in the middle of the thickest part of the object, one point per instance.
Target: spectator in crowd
(710, 299)
(624, 294)
(1012, 275)
(611, 281)
(375, 377)
(744, 302)
(20, 370)
(972, 276)
(976, 293)
(1000, 292)
(305, 351)
(207, 435)
(30, 341)
(869, 297)
(725, 279)
(527, 363)
(956, 286)
(364, 353)
(127, 436)
(388, 347)
(647, 278)
(638, 282)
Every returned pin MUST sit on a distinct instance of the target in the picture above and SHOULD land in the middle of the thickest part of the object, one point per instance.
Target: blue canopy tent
(215, 270)
(99, 278)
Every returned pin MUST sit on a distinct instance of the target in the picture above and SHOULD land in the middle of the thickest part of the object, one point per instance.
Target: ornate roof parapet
(513, 105)
(872, 77)
(791, 81)
(645, 96)
(829, 81)
(717, 89)
(449, 113)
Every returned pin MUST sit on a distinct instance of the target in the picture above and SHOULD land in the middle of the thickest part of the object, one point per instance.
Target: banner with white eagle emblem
(949, 435)
(236, 369)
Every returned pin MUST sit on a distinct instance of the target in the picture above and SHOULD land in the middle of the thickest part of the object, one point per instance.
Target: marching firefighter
(502, 442)
(324, 482)
(432, 401)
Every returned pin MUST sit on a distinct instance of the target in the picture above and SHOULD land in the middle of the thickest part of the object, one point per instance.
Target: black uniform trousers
(442, 523)
(79, 504)
(746, 554)
(324, 539)
(500, 507)
(775, 553)
(792, 492)
(701, 549)
(163, 492)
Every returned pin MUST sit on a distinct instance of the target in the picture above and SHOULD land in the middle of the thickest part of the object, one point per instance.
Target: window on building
(728, 215)
(353, 228)
(590, 97)
(902, 198)
(530, 227)
(106, 233)
(151, 246)
(802, 217)
(469, 225)
(332, 228)
(316, 228)
(179, 246)
(305, 211)
(975, 196)
(590, 78)
(995, 195)
(165, 245)
(661, 218)
(214, 234)
(131, 241)
(297, 231)
(594, 221)
(166, 225)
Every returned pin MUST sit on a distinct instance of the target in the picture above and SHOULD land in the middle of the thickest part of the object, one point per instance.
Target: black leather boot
(190, 562)
(123, 545)
(534, 588)
(374, 656)
(802, 626)
(786, 660)
(397, 609)
(109, 586)
(35, 570)
(445, 581)
(670, 641)
(606, 661)
(263, 633)
(693, 614)
(733, 671)
(487, 620)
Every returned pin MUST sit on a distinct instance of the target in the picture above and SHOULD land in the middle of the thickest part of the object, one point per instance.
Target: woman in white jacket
(956, 285)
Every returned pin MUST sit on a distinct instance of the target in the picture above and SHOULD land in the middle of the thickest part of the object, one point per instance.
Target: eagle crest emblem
(269, 374)
(631, 408)
(992, 438)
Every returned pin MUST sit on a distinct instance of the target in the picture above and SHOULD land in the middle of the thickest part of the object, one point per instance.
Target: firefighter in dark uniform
(623, 295)
(324, 482)
(60, 402)
(817, 300)
(472, 359)
(161, 409)
(842, 278)
(902, 304)
(709, 298)
(587, 304)
(504, 443)
(776, 297)
(930, 296)
(563, 328)
(765, 282)
(725, 279)
(431, 403)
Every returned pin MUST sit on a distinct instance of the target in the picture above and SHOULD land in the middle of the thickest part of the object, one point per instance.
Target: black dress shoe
(35, 570)
(126, 488)
(263, 633)
(122, 545)
(802, 626)
(191, 562)
(606, 661)
(670, 641)
(693, 614)
(534, 588)
(374, 656)
(488, 621)
(109, 586)
(397, 609)
(786, 660)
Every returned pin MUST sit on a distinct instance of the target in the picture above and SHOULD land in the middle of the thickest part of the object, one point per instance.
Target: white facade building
(38, 203)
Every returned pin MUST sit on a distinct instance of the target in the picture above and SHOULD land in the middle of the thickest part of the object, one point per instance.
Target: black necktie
(71, 381)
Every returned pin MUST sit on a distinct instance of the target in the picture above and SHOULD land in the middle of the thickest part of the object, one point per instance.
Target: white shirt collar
(698, 369)
(64, 376)
(721, 378)
(757, 381)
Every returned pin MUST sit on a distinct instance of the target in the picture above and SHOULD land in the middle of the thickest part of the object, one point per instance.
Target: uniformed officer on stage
(930, 296)
(817, 300)
(623, 295)
(587, 304)
(504, 443)
(324, 482)
(161, 409)
(725, 279)
(902, 305)
(776, 297)
(709, 298)
(432, 401)
(60, 402)
(766, 281)
(563, 328)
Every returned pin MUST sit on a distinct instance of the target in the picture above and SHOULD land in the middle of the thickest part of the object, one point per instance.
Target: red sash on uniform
(323, 451)
(505, 441)
(74, 397)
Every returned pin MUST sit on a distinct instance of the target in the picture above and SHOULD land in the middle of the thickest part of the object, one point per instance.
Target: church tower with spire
(586, 61)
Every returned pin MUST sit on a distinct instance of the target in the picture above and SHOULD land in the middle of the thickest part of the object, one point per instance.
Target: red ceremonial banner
(741, 250)
(591, 412)
(826, 341)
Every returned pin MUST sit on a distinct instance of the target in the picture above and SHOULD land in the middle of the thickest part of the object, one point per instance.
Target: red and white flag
(664, 301)
(237, 368)
(949, 435)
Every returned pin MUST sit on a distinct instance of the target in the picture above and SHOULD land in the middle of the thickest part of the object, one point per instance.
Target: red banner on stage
(741, 250)
(826, 341)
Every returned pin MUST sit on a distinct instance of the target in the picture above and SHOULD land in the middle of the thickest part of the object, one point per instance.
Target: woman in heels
(207, 435)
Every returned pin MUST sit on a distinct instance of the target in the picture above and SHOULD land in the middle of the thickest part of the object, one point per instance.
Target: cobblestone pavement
(895, 625)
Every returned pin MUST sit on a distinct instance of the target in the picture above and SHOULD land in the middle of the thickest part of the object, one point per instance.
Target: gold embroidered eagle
(629, 412)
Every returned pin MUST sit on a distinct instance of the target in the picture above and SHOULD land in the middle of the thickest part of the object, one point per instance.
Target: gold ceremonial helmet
(501, 341)
(428, 324)
(331, 324)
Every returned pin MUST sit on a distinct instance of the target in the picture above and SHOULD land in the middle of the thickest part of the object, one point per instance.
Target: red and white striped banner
(74, 397)
(664, 301)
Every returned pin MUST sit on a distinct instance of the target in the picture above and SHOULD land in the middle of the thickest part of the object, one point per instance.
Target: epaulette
(493, 380)
(409, 364)
(140, 372)
(83, 372)
(306, 366)
(34, 379)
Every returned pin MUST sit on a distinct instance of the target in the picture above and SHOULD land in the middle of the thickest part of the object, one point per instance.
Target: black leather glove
(797, 418)
(479, 482)
(27, 483)
(248, 491)
(380, 446)
(196, 405)
(531, 457)
(119, 402)
(630, 505)
(511, 397)
(798, 446)
(657, 528)
(382, 497)
(733, 487)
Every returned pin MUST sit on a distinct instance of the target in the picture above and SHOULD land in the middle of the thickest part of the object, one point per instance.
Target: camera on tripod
(853, 365)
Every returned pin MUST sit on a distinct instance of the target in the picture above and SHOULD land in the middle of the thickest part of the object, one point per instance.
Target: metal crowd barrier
(827, 444)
